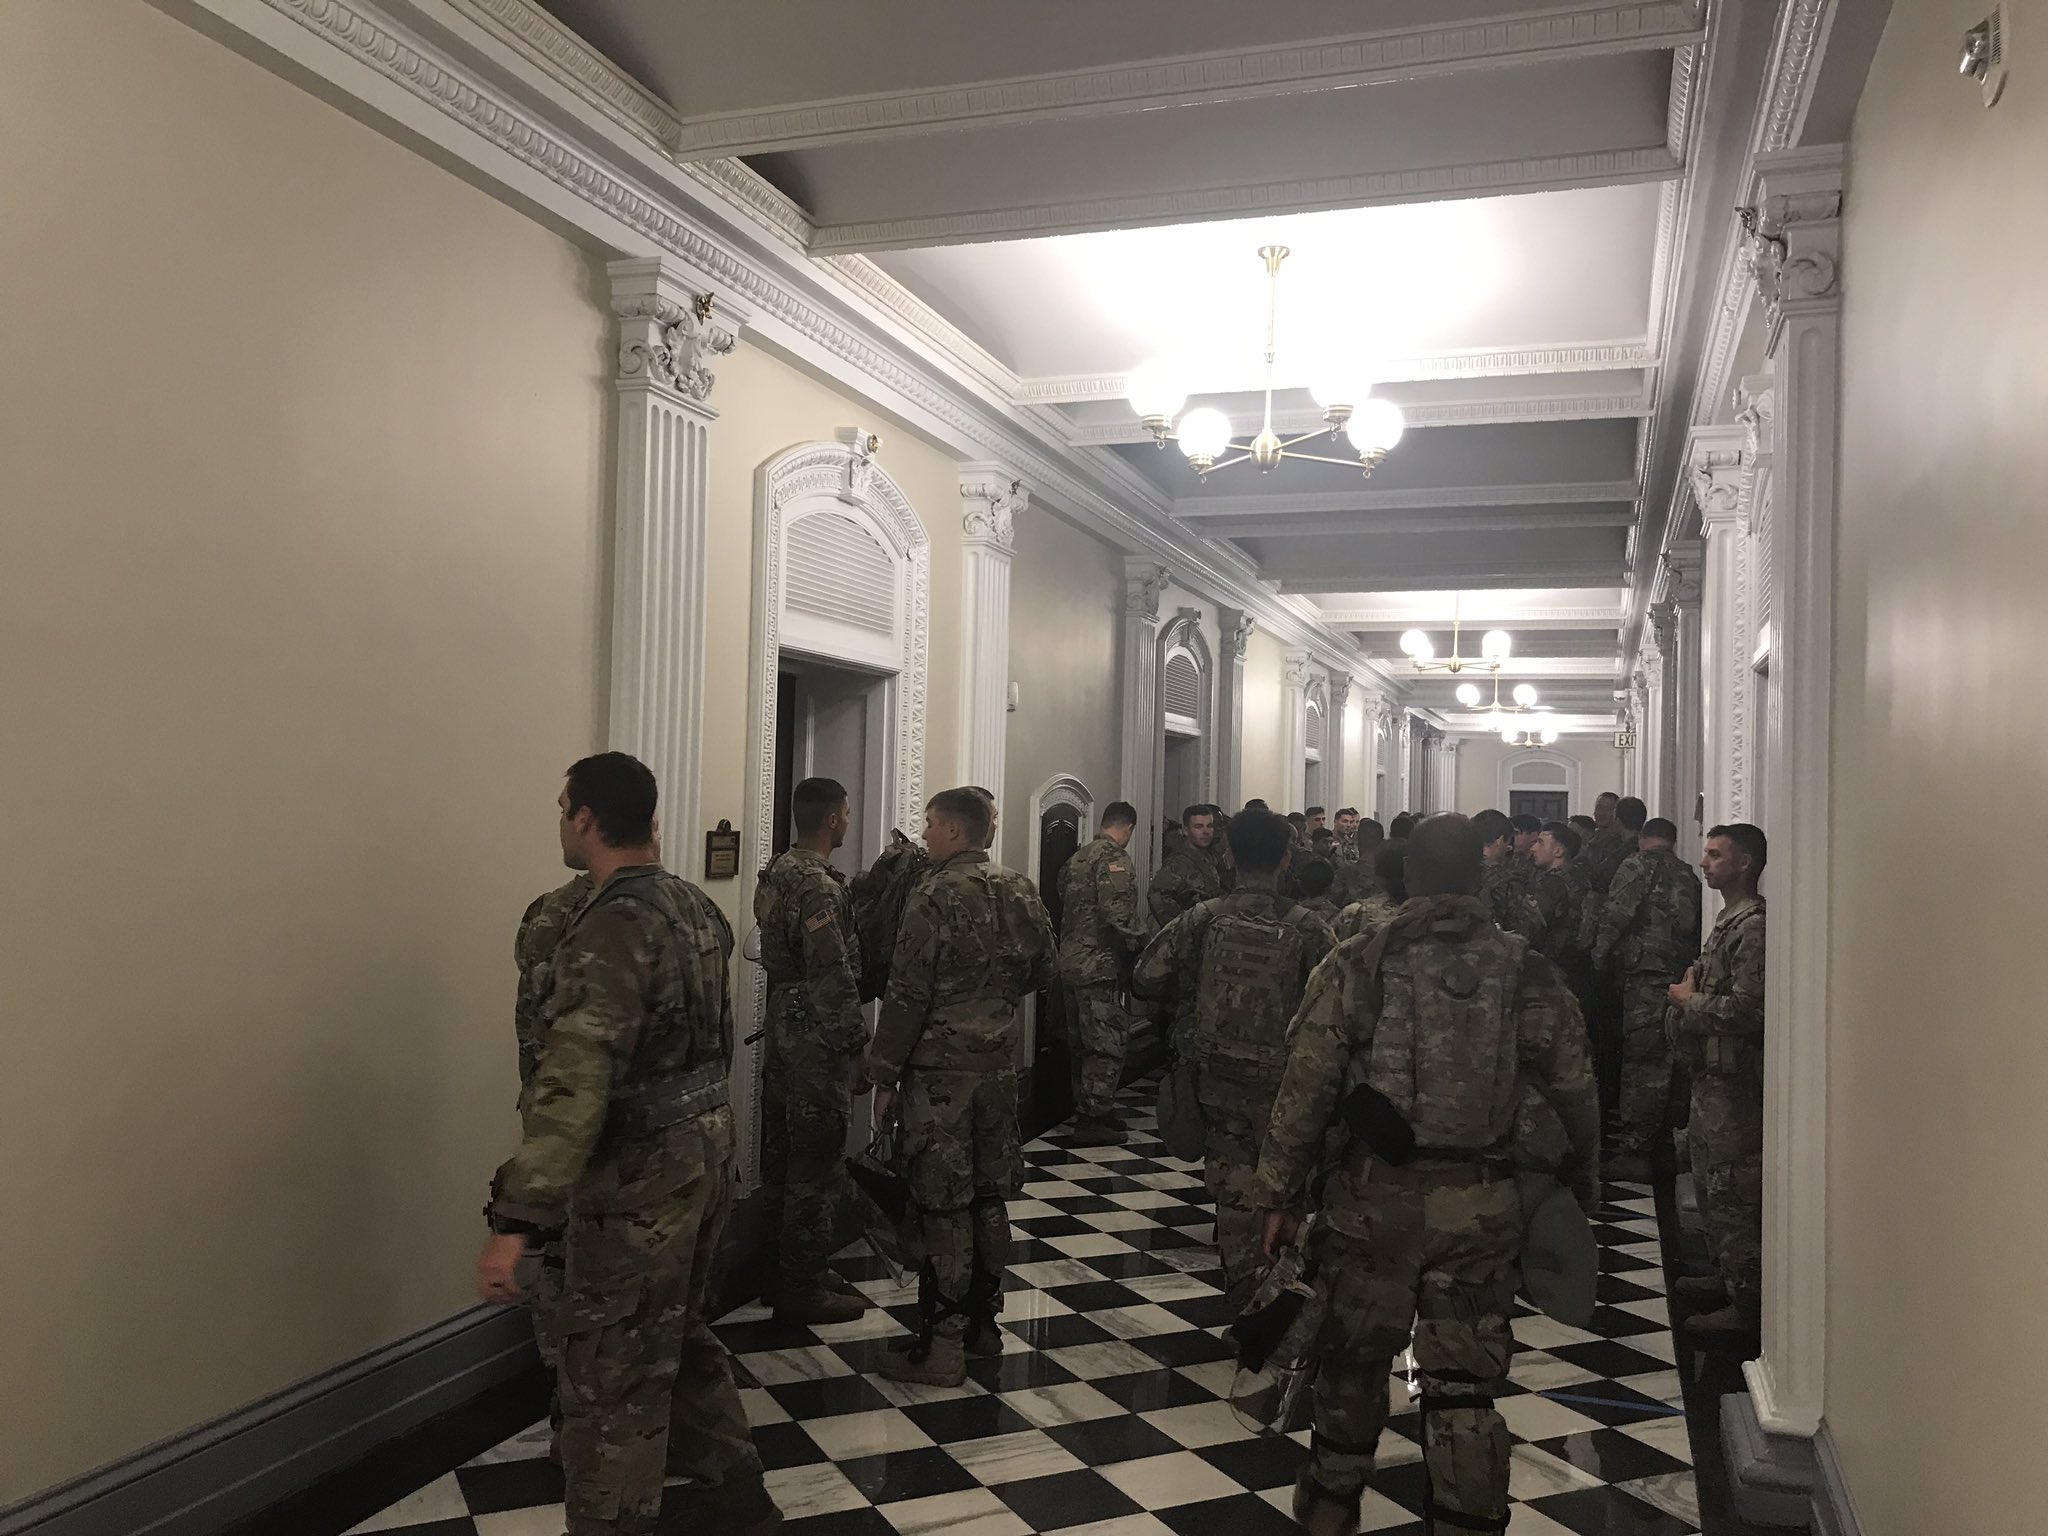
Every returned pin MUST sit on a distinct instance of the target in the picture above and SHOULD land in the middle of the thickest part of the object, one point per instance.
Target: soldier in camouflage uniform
(815, 1035)
(1246, 959)
(1190, 875)
(1503, 881)
(1718, 1017)
(1317, 885)
(1356, 879)
(533, 950)
(1374, 911)
(1617, 821)
(1346, 823)
(1453, 1021)
(1650, 935)
(971, 946)
(626, 1151)
(1101, 931)
(1557, 890)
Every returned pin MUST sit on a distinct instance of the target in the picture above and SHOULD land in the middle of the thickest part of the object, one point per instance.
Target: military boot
(1097, 1133)
(740, 1505)
(944, 1364)
(839, 1285)
(818, 1305)
(1728, 1325)
(1701, 1290)
(984, 1339)
(1321, 1512)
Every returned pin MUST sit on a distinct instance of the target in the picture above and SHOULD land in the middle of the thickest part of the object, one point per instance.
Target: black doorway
(1048, 1092)
(1543, 804)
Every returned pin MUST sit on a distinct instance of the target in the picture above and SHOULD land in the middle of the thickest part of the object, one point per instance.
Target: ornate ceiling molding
(1422, 498)
(1546, 173)
(1224, 75)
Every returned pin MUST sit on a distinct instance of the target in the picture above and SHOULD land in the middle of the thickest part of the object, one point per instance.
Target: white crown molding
(1240, 74)
(1453, 413)
(601, 176)
(1543, 173)
(1470, 363)
(1380, 616)
(1420, 499)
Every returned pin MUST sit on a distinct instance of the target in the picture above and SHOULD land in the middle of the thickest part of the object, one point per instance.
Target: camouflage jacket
(1366, 916)
(1355, 881)
(540, 930)
(1650, 922)
(640, 997)
(1100, 926)
(1504, 888)
(973, 942)
(1255, 1007)
(1558, 894)
(809, 949)
(1324, 907)
(1721, 1027)
(1367, 985)
(1187, 877)
(1600, 859)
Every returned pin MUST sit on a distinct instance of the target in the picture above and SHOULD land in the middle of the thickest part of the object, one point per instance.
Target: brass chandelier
(1373, 425)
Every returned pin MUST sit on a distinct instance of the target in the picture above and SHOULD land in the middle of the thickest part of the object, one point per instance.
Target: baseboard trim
(1834, 1510)
(214, 1474)
(1771, 1478)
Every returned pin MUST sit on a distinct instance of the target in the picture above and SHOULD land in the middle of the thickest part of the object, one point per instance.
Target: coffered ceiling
(1497, 205)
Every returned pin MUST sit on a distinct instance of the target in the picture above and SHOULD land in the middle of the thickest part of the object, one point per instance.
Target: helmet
(1276, 1337)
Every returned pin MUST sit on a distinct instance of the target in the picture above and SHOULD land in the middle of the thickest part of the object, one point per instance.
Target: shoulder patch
(1119, 868)
(822, 920)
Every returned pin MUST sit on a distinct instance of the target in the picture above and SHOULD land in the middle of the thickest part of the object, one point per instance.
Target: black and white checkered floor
(1107, 1415)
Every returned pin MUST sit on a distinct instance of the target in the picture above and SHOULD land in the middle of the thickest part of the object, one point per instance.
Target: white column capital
(1144, 582)
(992, 498)
(1718, 469)
(1236, 633)
(1756, 408)
(1294, 669)
(1794, 223)
(670, 329)
(1340, 685)
(1680, 579)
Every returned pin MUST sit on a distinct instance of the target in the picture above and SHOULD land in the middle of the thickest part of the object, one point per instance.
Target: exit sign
(1624, 739)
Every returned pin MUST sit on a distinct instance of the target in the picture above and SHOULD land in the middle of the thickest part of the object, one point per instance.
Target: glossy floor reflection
(1107, 1414)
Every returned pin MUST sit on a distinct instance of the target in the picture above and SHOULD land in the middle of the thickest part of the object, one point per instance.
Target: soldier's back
(541, 927)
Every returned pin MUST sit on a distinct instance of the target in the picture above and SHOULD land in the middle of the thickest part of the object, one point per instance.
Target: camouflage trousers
(543, 1287)
(1104, 1036)
(1643, 1126)
(1726, 1137)
(645, 1389)
(1237, 1102)
(806, 1105)
(1410, 1253)
(962, 1164)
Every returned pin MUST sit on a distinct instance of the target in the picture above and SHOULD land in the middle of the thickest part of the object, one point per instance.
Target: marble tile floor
(1107, 1415)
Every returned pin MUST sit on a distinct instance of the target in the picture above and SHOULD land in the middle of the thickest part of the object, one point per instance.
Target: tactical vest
(878, 894)
(1248, 982)
(1657, 943)
(679, 1071)
(1445, 1049)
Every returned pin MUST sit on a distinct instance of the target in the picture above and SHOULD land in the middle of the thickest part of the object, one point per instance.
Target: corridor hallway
(1108, 1413)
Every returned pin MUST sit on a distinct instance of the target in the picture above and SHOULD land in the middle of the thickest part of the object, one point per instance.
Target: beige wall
(301, 575)
(1938, 1065)
(766, 407)
(1479, 761)
(1264, 777)
(1066, 611)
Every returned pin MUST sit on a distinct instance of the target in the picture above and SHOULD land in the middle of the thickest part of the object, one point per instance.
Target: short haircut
(1605, 794)
(966, 807)
(1317, 877)
(1492, 826)
(1317, 810)
(1444, 855)
(1347, 810)
(1258, 841)
(1567, 837)
(1370, 833)
(1119, 813)
(1323, 835)
(1631, 813)
(1749, 838)
(1298, 818)
(1660, 828)
(1256, 805)
(619, 791)
(1193, 811)
(1527, 823)
(1583, 822)
(812, 801)
(1391, 865)
(1404, 826)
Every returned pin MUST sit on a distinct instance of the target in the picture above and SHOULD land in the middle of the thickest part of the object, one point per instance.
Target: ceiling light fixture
(1529, 735)
(1156, 391)
(1494, 646)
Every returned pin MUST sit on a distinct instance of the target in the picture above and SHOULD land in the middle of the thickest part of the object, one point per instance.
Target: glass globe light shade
(1340, 381)
(1156, 389)
(1468, 694)
(1415, 645)
(1204, 433)
(1525, 694)
(1549, 734)
(1495, 645)
(1376, 425)
(1508, 733)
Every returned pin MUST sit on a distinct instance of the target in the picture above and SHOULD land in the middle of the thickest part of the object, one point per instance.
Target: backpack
(1249, 960)
(1446, 1049)
(879, 893)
